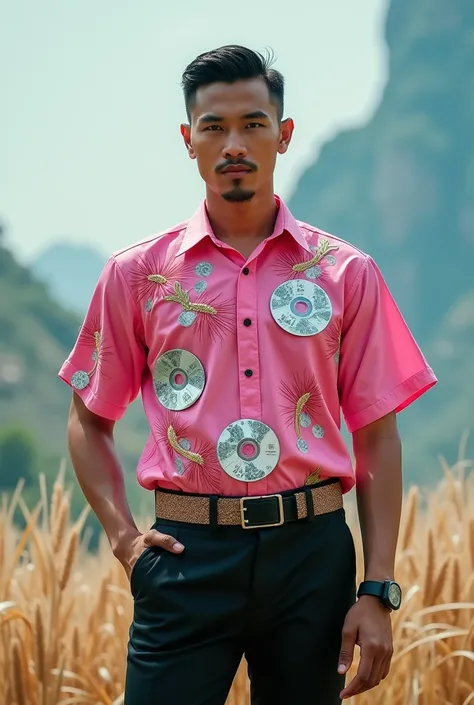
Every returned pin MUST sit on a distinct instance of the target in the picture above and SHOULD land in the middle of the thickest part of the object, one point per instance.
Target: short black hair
(230, 63)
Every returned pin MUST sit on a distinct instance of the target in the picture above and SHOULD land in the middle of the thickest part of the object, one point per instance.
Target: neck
(249, 220)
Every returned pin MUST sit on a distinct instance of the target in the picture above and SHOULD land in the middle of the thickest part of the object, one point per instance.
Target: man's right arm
(100, 476)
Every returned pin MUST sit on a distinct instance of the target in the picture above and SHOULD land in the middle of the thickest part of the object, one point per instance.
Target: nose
(234, 148)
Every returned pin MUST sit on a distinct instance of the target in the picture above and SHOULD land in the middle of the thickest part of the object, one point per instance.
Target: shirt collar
(199, 227)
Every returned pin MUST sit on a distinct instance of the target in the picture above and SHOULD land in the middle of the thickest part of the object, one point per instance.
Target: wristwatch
(388, 592)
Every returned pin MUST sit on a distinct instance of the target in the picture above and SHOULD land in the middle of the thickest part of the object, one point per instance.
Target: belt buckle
(243, 509)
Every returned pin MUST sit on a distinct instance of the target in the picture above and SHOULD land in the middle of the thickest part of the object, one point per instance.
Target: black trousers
(277, 596)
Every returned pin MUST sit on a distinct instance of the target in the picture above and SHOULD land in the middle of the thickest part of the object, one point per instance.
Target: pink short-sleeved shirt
(245, 366)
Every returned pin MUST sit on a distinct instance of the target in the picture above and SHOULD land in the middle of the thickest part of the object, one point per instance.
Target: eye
(255, 124)
(212, 128)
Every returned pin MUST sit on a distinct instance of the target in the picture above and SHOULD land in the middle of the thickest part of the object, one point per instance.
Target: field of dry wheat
(65, 614)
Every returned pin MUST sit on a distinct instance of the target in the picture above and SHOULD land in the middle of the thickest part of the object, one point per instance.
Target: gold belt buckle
(243, 509)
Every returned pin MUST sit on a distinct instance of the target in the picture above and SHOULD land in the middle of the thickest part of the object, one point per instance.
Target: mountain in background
(402, 189)
(70, 273)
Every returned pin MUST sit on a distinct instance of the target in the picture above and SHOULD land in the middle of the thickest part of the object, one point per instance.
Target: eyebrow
(256, 114)
(210, 117)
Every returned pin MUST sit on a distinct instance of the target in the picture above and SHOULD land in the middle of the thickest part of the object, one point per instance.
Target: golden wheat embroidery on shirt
(190, 456)
(304, 402)
(212, 316)
(295, 264)
(90, 336)
(332, 335)
(314, 477)
(152, 277)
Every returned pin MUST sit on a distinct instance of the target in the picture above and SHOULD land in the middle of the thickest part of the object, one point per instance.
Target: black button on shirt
(247, 322)
(248, 373)
(245, 270)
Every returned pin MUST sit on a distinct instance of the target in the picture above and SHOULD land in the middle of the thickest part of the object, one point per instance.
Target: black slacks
(277, 596)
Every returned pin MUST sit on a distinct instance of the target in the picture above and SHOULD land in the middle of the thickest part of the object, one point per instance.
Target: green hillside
(36, 335)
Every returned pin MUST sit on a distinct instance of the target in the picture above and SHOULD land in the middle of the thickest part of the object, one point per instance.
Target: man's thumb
(346, 653)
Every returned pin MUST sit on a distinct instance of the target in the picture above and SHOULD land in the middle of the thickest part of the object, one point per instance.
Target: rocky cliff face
(402, 189)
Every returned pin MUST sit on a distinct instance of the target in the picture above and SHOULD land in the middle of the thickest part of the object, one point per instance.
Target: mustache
(236, 162)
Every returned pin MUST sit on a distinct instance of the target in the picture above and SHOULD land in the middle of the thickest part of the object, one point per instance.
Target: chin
(238, 195)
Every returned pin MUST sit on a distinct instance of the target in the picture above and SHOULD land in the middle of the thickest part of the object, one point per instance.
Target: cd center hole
(248, 449)
(179, 378)
(301, 307)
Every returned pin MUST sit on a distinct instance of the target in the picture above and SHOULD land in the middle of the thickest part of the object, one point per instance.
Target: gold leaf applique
(322, 250)
(189, 455)
(303, 404)
(300, 404)
(81, 378)
(181, 297)
(157, 278)
(152, 276)
(193, 458)
(92, 337)
(333, 338)
(314, 478)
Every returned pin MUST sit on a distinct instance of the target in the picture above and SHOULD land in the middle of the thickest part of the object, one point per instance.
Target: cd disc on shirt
(178, 379)
(248, 450)
(301, 307)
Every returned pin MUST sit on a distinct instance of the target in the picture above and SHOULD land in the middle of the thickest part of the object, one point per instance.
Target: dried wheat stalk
(64, 614)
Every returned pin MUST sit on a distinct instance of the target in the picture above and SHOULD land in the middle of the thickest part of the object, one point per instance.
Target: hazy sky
(90, 148)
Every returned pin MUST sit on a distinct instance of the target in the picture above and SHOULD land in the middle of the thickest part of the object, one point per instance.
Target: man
(247, 333)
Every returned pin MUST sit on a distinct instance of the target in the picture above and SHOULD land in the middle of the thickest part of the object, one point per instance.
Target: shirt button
(247, 322)
(248, 373)
(245, 270)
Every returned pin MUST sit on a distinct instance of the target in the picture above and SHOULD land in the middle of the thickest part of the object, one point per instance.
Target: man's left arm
(377, 453)
(382, 371)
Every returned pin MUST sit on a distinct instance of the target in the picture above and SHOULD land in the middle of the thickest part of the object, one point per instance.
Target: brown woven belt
(250, 512)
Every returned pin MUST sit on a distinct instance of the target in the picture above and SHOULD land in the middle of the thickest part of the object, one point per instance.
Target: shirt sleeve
(106, 364)
(382, 369)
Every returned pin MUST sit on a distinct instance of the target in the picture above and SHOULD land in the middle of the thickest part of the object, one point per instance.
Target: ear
(185, 130)
(286, 132)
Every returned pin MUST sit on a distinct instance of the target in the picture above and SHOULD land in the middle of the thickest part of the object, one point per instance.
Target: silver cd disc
(178, 379)
(248, 450)
(301, 307)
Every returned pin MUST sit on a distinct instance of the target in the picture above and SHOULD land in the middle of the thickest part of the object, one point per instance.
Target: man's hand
(130, 549)
(367, 624)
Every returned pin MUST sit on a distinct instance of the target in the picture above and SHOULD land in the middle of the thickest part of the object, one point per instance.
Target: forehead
(233, 99)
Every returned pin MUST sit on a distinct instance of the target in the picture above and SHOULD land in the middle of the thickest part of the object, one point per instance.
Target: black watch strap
(388, 592)
(371, 587)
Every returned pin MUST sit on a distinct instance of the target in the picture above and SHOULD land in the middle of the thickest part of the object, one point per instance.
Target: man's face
(235, 136)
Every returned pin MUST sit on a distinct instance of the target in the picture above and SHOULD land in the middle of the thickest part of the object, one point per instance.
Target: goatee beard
(238, 195)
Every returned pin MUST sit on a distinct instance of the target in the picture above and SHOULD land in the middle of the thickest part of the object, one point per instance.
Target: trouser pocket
(143, 569)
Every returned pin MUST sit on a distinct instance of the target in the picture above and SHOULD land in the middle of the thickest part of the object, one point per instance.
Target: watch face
(394, 595)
